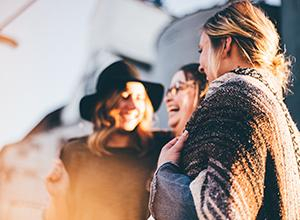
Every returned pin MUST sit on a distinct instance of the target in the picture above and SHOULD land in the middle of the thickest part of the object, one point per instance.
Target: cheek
(115, 113)
(141, 107)
(208, 66)
(203, 56)
(201, 60)
(120, 104)
(187, 105)
(187, 102)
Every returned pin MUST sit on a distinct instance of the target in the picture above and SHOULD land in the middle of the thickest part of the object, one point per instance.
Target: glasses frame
(179, 86)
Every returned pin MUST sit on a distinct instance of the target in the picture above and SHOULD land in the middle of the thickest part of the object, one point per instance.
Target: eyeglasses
(179, 86)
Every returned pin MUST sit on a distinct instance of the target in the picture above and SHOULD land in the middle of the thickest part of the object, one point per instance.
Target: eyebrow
(183, 81)
(180, 82)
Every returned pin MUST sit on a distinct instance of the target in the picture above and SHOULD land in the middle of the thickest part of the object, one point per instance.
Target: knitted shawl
(243, 150)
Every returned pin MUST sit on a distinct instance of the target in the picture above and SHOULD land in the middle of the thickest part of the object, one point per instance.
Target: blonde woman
(239, 156)
(108, 171)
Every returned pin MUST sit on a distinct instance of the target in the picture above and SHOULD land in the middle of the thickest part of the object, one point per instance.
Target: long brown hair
(255, 35)
(104, 125)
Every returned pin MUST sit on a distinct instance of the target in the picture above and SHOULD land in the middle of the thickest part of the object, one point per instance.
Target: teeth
(130, 116)
(173, 108)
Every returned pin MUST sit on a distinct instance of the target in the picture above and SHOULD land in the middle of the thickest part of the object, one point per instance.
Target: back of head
(255, 35)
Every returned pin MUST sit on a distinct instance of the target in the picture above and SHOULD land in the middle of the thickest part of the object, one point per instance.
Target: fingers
(171, 143)
(171, 151)
(57, 181)
(180, 143)
(56, 171)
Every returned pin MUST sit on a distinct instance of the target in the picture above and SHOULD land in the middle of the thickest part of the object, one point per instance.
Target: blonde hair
(104, 126)
(255, 35)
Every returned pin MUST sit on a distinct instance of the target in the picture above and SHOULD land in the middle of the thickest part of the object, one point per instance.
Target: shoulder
(238, 92)
(230, 81)
(76, 143)
(233, 98)
(247, 83)
(75, 146)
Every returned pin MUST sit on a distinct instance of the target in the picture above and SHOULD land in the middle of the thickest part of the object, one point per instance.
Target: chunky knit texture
(243, 150)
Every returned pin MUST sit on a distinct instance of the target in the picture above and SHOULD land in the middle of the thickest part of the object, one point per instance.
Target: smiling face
(131, 107)
(180, 101)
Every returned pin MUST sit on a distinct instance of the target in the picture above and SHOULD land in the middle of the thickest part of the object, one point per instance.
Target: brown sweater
(109, 187)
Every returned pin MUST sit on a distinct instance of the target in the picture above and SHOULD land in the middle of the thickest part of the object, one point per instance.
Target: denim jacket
(170, 195)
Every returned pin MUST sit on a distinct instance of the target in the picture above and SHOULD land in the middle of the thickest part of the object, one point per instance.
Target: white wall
(42, 73)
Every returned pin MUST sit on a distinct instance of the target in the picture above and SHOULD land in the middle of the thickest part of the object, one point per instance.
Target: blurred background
(52, 51)
(54, 43)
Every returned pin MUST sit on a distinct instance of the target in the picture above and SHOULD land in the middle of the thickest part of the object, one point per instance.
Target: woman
(240, 154)
(108, 171)
(187, 89)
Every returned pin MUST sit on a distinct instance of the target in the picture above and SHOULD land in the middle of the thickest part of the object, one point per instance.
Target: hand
(57, 181)
(57, 184)
(171, 151)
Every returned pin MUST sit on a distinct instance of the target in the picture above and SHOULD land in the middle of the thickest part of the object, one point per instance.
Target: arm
(57, 184)
(170, 196)
(228, 139)
(225, 156)
(59, 181)
(56, 210)
(216, 192)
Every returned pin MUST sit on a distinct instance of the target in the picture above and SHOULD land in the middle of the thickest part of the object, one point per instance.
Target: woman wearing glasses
(187, 89)
(186, 92)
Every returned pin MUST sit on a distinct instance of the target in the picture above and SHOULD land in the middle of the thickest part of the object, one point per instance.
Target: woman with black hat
(109, 170)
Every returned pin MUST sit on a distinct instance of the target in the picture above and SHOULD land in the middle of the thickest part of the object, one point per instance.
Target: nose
(130, 103)
(168, 97)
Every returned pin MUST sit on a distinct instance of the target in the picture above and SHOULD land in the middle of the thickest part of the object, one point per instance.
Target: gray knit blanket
(243, 150)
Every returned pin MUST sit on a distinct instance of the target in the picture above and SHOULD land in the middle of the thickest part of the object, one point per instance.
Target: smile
(173, 109)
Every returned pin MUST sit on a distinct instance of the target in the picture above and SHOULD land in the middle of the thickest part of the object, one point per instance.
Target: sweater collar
(267, 78)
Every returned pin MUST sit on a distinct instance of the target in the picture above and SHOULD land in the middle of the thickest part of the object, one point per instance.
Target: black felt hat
(110, 79)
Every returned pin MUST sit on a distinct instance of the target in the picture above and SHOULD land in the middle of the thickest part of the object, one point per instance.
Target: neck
(233, 60)
(120, 139)
(232, 66)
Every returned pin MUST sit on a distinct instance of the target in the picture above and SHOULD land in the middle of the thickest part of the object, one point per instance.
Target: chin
(130, 126)
(173, 123)
(173, 128)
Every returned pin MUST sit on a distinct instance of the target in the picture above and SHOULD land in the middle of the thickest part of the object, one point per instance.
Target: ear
(227, 47)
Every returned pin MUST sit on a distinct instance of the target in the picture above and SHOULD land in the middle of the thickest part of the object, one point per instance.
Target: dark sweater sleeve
(227, 140)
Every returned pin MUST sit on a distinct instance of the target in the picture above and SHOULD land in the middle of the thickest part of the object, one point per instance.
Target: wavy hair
(105, 125)
(255, 35)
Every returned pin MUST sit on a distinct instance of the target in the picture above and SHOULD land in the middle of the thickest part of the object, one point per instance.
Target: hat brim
(155, 92)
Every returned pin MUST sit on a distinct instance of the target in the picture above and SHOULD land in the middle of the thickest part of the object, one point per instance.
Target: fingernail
(185, 132)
